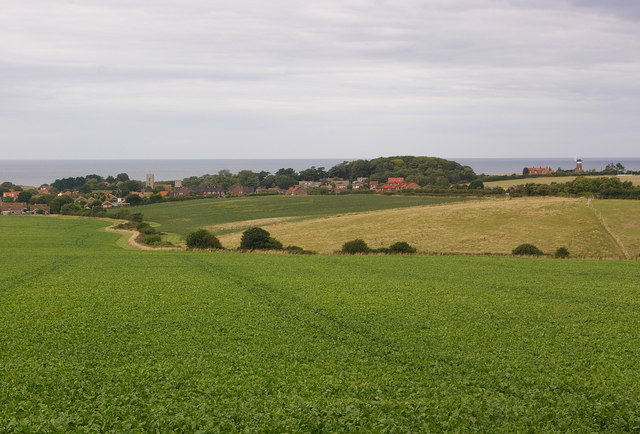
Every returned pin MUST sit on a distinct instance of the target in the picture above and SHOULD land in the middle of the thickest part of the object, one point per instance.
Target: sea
(38, 172)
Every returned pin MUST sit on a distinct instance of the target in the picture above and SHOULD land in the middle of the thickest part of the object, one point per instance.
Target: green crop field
(184, 217)
(97, 338)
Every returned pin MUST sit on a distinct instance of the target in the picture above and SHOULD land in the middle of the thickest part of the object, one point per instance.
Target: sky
(319, 79)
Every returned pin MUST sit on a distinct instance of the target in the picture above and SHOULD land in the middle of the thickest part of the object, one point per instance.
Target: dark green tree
(133, 199)
(256, 238)
(526, 250)
(203, 239)
(355, 246)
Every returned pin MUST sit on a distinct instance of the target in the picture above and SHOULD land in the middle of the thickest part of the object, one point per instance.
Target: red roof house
(397, 184)
(539, 171)
(296, 190)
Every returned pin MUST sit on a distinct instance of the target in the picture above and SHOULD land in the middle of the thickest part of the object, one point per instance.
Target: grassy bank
(241, 212)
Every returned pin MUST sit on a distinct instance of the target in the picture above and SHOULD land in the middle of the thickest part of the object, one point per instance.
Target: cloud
(346, 79)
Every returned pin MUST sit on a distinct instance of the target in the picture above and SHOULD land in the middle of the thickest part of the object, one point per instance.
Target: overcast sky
(309, 79)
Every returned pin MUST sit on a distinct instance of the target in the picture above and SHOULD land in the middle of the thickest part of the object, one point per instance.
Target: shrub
(476, 184)
(526, 250)
(562, 252)
(152, 239)
(257, 238)
(296, 250)
(355, 246)
(401, 247)
(145, 228)
(203, 239)
(70, 209)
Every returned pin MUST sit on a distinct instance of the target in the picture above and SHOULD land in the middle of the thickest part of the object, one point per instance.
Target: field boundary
(134, 242)
(623, 253)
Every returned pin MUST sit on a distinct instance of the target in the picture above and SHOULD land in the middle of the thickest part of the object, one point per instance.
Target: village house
(238, 190)
(310, 184)
(13, 194)
(44, 189)
(297, 190)
(39, 208)
(359, 183)
(69, 193)
(13, 208)
(210, 190)
(397, 184)
(340, 185)
(539, 171)
(182, 191)
(114, 203)
(373, 185)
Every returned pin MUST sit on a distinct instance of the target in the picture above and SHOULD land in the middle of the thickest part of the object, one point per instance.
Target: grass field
(97, 338)
(242, 212)
(635, 180)
(477, 227)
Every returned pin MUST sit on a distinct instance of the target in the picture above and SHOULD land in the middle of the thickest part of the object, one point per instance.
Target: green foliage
(355, 246)
(402, 247)
(203, 239)
(604, 188)
(133, 199)
(256, 238)
(422, 170)
(145, 228)
(476, 184)
(526, 250)
(70, 209)
(562, 252)
(24, 196)
(97, 338)
(57, 202)
(152, 239)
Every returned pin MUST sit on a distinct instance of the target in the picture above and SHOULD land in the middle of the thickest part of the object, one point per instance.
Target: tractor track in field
(38, 272)
(323, 321)
(622, 251)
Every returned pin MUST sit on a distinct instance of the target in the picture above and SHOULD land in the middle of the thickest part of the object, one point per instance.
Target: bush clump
(526, 250)
(355, 246)
(297, 250)
(402, 247)
(256, 238)
(145, 228)
(152, 239)
(203, 239)
(562, 252)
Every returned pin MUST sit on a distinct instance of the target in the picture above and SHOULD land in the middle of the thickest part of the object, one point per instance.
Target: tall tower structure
(150, 182)
(578, 165)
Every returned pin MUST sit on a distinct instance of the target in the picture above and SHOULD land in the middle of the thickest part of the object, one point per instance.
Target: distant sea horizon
(38, 172)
